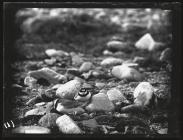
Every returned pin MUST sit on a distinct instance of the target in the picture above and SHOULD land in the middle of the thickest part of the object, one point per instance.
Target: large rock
(125, 72)
(146, 42)
(111, 61)
(49, 120)
(69, 89)
(85, 67)
(31, 130)
(115, 96)
(116, 45)
(67, 126)
(51, 76)
(100, 102)
(56, 53)
(143, 94)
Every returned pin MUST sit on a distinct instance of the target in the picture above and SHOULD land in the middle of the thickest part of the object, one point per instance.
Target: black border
(175, 112)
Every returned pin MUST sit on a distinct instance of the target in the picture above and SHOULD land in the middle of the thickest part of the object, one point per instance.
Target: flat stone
(55, 53)
(116, 45)
(115, 96)
(146, 42)
(51, 76)
(85, 67)
(100, 102)
(143, 94)
(111, 61)
(31, 130)
(125, 72)
(67, 126)
(49, 120)
(69, 89)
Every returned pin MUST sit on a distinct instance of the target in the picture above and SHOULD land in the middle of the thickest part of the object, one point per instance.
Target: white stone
(85, 67)
(146, 42)
(115, 96)
(50, 75)
(30, 81)
(143, 93)
(100, 102)
(76, 60)
(31, 130)
(69, 89)
(107, 52)
(111, 61)
(67, 126)
(117, 45)
(55, 53)
(125, 72)
(36, 111)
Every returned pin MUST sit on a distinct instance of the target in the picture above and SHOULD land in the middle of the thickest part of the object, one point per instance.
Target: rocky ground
(105, 72)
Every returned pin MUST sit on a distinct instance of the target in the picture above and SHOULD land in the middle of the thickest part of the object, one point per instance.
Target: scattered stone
(100, 85)
(87, 75)
(69, 89)
(163, 131)
(76, 60)
(50, 61)
(90, 125)
(85, 67)
(146, 42)
(76, 111)
(40, 104)
(51, 76)
(67, 126)
(143, 94)
(116, 45)
(30, 81)
(49, 120)
(107, 52)
(125, 72)
(73, 71)
(31, 130)
(47, 95)
(42, 110)
(100, 102)
(166, 55)
(34, 100)
(55, 53)
(115, 96)
(111, 61)
(139, 130)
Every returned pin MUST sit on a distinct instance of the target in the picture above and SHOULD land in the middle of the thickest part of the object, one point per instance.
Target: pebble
(55, 53)
(115, 96)
(143, 94)
(163, 131)
(40, 104)
(90, 125)
(30, 81)
(73, 71)
(48, 74)
(49, 120)
(67, 126)
(146, 42)
(76, 60)
(116, 45)
(100, 85)
(76, 111)
(107, 52)
(55, 87)
(100, 102)
(85, 67)
(111, 61)
(31, 130)
(139, 60)
(50, 61)
(69, 89)
(125, 72)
